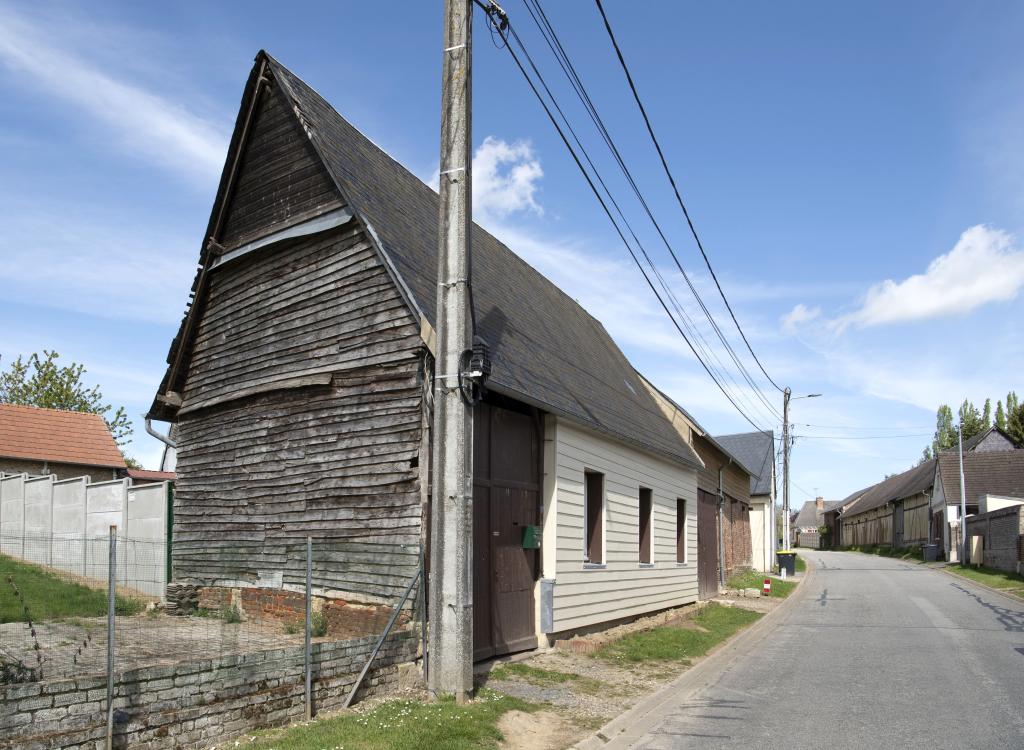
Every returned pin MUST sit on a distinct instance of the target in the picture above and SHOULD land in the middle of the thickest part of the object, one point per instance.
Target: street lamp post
(787, 395)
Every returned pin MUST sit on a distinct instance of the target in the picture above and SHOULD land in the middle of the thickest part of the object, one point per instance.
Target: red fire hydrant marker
(767, 586)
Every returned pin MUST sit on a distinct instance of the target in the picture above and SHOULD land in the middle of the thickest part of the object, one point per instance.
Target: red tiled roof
(152, 476)
(70, 437)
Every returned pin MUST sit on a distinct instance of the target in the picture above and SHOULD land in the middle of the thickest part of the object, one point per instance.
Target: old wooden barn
(299, 385)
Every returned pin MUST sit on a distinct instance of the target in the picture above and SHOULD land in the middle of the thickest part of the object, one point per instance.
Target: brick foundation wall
(344, 619)
(194, 703)
(1002, 530)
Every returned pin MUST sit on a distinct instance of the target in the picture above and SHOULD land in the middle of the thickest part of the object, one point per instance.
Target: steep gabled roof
(756, 450)
(905, 484)
(810, 516)
(546, 349)
(66, 437)
(989, 473)
(973, 442)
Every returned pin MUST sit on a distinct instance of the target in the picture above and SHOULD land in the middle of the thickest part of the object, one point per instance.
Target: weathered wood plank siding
(623, 587)
(279, 178)
(302, 410)
(734, 479)
(337, 461)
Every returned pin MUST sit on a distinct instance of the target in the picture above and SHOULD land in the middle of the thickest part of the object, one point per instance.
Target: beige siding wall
(585, 596)
(758, 535)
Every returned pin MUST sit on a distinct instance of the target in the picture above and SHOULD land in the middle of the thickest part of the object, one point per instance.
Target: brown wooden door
(506, 497)
(707, 544)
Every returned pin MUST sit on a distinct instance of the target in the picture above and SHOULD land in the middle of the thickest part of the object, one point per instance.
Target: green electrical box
(531, 537)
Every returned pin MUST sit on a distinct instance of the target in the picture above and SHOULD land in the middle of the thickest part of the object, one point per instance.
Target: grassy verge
(1010, 583)
(912, 552)
(709, 627)
(403, 725)
(548, 678)
(752, 579)
(801, 564)
(49, 597)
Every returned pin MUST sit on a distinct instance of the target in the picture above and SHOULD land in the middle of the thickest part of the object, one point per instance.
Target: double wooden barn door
(707, 544)
(506, 498)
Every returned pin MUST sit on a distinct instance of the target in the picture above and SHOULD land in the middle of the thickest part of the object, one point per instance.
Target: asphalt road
(874, 653)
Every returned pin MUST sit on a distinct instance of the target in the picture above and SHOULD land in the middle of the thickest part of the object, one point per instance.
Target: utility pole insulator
(451, 515)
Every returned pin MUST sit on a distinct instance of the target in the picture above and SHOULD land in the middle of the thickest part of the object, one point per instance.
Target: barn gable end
(297, 378)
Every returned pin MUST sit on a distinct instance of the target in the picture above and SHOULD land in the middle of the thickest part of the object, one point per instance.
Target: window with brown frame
(680, 530)
(593, 509)
(645, 526)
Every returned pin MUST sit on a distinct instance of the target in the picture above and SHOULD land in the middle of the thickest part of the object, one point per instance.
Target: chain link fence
(98, 608)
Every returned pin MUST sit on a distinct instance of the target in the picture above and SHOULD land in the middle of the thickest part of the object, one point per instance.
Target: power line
(675, 189)
(550, 36)
(504, 27)
(859, 437)
(859, 427)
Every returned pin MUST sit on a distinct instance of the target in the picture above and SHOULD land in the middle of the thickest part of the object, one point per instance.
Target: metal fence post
(309, 628)
(111, 602)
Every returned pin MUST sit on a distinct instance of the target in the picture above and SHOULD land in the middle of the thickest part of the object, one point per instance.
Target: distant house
(757, 451)
(992, 479)
(992, 439)
(146, 476)
(65, 443)
(806, 524)
(300, 387)
(893, 512)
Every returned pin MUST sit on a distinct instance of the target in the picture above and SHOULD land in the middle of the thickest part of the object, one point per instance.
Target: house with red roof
(66, 443)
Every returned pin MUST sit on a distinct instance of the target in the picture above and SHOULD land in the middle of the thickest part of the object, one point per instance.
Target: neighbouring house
(757, 450)
(992, 480)
(992, 439)
(893, 512)
(724, 538)
(805, 525)
(299, 387)
(63, 443)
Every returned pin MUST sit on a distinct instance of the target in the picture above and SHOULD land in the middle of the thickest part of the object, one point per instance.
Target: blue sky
(855, 173)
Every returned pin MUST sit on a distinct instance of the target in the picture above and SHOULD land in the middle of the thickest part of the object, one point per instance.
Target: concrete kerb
(628, 727)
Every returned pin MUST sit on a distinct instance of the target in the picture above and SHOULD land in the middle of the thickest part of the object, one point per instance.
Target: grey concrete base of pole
(111, 608)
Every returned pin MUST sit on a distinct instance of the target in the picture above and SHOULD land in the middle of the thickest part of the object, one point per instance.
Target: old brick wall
(196, 703)
(1002, 530)
(736, 532)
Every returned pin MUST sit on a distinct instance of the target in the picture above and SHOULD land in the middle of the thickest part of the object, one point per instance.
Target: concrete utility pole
(451, 531)
(963, 498)
(785, 468)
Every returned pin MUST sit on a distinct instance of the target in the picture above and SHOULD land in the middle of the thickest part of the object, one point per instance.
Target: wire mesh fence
(79, 607)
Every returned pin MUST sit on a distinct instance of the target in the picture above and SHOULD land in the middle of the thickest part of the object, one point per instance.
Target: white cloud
(983, 267)
(799, 315)
(505, 177)
(505, 180)
(152, 127)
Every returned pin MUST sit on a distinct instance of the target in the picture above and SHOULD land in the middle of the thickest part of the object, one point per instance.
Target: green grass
(49, 597)
(404, 725)
(714, 622)
(1011, 583)
(801, 564)
(752, 579)
(548, 678)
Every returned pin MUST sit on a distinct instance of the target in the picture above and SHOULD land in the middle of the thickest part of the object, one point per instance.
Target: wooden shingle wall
(303, 395)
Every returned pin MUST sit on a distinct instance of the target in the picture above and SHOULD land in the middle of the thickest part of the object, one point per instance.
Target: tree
(41, 382)
(945, 432)
(1000, 416)
(971, 421)
(1015, 424)
(986, 415)
(1011, 403)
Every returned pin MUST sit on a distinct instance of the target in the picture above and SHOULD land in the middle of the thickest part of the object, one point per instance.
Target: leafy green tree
(41, 381)
(971, 421)
(1000, 416)
(986, 415)
(1015, 424)
(1011, 403)
(945, 431)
